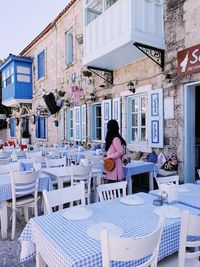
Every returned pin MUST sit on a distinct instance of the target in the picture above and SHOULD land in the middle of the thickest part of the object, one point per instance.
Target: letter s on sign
(194, 56)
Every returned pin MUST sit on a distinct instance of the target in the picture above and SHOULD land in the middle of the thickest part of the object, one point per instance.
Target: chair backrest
(55, 153)
(63, 196)
(97, 162)
(11, 167)
(4, 154)
(80, 173)
(167, 180)
(130, 249)
(20, 153)
(51, 163)
(24, 183)
(111, 191)
(4, 161)
(89, 154)
(71, 155)
(32, 155)
(190, 226)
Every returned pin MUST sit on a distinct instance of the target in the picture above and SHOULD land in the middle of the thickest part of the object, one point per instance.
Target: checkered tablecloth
(190, 199)
(65, 243)
(5, 186)
(137, 167)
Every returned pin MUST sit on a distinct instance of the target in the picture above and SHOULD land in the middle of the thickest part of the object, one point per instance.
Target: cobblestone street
(10, 250)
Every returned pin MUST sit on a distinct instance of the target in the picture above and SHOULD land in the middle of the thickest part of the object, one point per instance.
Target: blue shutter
(68, 124)
(106, 116)
(129, 121)
(155, 133)
(93, 121)
(69, 48)
(12, 127)
(116, 111)
(37, 126)
(62, 120)
(42, 128)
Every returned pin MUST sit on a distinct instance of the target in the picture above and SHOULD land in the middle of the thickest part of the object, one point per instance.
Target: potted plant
(25, 138)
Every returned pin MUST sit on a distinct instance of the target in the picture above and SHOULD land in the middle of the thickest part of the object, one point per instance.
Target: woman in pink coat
(114, 150)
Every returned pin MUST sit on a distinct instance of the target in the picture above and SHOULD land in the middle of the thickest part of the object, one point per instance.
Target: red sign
(189, 61)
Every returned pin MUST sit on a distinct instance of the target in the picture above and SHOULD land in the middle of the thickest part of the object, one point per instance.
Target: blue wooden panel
(12, 127)
(42, 128)
(37, 126)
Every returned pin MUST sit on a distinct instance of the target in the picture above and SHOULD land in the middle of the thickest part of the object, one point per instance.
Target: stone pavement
(10, 250)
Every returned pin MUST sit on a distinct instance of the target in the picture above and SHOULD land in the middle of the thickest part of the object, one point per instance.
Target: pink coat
(115, 152)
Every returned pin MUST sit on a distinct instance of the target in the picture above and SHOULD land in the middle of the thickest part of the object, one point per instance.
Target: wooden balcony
(109, 37)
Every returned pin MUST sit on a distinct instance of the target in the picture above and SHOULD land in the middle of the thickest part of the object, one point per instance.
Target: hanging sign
(189, 61)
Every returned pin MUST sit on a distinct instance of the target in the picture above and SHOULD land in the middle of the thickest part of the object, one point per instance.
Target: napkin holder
(171, 190)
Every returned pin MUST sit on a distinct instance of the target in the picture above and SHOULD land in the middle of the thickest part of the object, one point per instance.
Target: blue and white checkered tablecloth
(5, 186)
(63, 242)
(190, 198)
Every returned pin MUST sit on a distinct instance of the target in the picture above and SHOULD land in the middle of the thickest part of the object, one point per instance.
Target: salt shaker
(164, 197)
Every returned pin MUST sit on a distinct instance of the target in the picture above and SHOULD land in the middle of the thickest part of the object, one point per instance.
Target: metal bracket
(106, 75)
(155, 54)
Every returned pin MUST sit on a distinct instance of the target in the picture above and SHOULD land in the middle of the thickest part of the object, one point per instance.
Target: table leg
(129, 180)
(151, 187)
(39, 260)
(4, 221)
(60, 186)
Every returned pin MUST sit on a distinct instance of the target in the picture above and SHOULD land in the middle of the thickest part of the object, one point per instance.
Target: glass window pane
(98, 133)
(143, 119)
(143, 134)
(134, 134)
(134, 119)
(134, 105)
(143, 104)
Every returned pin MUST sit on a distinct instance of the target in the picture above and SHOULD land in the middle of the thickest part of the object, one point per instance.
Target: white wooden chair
(63, 196)
(82, 173)
(111, 191)
(190, 226)
(11, 167)
(130, 249)
(5, 155)
(4, 221)
(71, 156)
(167, 180)
(20, 154)
(24, 186)
(52, 163)
(4, 161)
(56, 162)
(32, 155)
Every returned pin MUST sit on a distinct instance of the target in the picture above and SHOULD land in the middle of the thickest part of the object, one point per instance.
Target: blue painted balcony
(112, 27)
(16, 81)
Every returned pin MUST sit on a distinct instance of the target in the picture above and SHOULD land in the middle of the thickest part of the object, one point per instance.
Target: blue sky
(22, 20)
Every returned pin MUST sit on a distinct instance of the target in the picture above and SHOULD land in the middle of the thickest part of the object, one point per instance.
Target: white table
(138, 167)
(65, 243)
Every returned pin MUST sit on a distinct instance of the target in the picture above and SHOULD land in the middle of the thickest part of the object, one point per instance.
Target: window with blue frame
(8, 76)
(41, 65)
(70, 124)
(40, 127)
(137, 125)
(96, 125)
(69, 42)
(12, 127)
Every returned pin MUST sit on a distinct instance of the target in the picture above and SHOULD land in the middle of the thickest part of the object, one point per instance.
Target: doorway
(191, 131)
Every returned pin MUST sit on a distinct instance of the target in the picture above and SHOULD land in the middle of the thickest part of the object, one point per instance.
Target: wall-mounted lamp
(131, 87)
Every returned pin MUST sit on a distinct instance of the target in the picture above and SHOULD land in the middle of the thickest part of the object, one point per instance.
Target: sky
(22, 20)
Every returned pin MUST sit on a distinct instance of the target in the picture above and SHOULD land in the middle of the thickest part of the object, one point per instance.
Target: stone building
(87, 52)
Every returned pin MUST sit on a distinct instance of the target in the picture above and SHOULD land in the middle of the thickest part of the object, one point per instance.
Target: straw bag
(109, 164)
